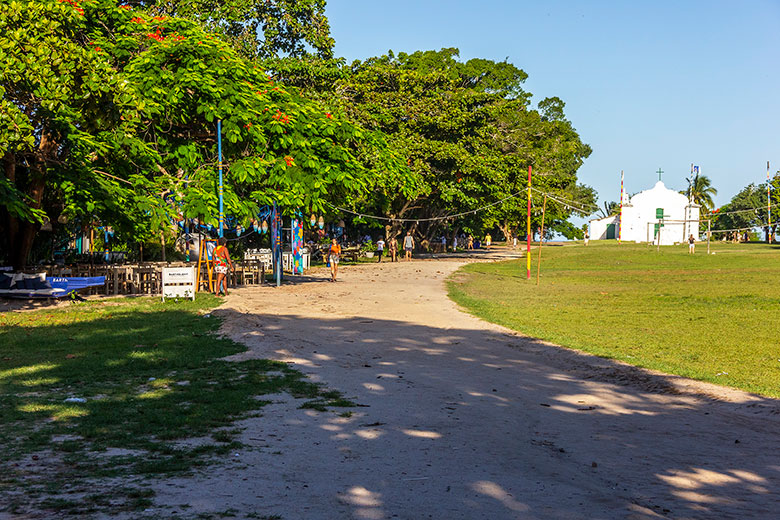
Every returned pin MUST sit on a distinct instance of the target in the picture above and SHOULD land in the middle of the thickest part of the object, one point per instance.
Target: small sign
(178, 282)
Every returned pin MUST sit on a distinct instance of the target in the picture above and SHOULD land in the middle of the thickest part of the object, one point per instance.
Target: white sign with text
(178, 282)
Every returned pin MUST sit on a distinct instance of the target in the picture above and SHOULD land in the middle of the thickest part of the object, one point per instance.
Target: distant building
(649, 216)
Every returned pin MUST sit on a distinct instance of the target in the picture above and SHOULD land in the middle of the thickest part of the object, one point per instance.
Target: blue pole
(221, 190)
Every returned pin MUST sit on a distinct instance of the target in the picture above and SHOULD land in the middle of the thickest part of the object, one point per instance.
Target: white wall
(598, 227)
(640, 216)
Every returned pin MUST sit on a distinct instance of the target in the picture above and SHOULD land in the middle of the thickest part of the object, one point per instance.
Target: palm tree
(701, 191)
(610, 208)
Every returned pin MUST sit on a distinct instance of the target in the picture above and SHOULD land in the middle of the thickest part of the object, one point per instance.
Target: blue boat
(36, 286)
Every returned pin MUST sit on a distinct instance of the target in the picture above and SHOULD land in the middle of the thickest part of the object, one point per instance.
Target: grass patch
(108, 389)
(708, 317)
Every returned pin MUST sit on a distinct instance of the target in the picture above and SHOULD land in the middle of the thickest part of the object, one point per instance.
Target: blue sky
(646, 84)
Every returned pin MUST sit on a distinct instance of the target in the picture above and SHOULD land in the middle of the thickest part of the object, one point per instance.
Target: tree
(748, 209)
(118, 124)
(258, 28)
(610, 208)
(701, 192)
(464, 129)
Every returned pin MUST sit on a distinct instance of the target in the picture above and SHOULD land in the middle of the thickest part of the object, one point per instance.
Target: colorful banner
(296, 236)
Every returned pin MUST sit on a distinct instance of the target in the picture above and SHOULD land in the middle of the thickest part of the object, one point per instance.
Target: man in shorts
(408, 245)
(380, 248)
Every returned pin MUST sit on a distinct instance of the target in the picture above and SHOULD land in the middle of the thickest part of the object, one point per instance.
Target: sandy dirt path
(461, 419)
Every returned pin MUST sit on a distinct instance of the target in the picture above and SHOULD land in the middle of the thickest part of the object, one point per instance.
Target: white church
(657, 215)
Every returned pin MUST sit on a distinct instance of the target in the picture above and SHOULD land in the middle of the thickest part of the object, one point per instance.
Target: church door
(659, 214)
(610, 231)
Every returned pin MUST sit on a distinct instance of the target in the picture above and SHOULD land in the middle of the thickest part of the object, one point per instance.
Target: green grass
(151, 375)
(708, 317)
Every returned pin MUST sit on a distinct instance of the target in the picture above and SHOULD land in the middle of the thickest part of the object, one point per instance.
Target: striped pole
(220, 188)
(528, 229)
(620, 219)
(768, 204)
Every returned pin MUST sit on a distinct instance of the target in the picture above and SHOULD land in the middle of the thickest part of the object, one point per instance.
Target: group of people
(222, 261)
(334, 252)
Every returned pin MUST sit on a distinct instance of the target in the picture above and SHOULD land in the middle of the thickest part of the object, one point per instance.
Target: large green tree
(110, 113)
(748, 209)
(465, 129)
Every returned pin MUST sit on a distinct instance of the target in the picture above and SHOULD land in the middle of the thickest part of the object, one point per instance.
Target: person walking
(334, 254)
(470, 243)
(691, 244)
(488, 240)
(221, 262)
(392, 246)
(408, 246)
(380, 248)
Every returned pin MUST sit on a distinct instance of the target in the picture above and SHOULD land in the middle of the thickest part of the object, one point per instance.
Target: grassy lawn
(709, 317)
(97, 397)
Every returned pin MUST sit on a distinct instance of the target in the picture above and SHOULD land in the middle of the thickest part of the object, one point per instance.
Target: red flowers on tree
(281, 117)
(289, 160)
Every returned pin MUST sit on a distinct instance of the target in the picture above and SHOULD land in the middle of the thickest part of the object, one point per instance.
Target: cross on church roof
(659, 172)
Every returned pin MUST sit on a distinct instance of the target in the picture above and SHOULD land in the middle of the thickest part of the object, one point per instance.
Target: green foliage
(464, 130)
(701, 191)
(119, 122)
(748, 208)
(259, 28)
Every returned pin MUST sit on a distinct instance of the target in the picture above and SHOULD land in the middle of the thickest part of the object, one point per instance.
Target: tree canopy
(108, 113)
(465, 129)
(748, 209)
(119, 123)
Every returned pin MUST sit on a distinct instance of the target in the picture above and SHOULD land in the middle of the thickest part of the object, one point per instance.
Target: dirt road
(461, 419)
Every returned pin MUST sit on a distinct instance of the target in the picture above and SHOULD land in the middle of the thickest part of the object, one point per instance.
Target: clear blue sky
(647, 84)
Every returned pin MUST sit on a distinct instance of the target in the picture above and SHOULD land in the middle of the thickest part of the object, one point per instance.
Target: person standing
(691, 244)
(587, 238)
(455, 244)
(334, 254)
(380, 248)
(488, 240)
(470, 243)
(408, 246)
(221, 263)
(443, 244)
(393, 248)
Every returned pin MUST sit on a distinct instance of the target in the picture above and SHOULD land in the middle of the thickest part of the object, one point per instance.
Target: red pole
(528, 229)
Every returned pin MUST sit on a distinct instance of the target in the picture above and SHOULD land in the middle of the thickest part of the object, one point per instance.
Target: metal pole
(528, 230)
(220, 189)
(541, 239)
(620, 219)
(709, 232)
(768, 205)
(660, 227)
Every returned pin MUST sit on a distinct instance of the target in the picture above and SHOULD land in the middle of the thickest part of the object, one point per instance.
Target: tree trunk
(11, 222)
(162, 243)
(26, 231)
(506, 230)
